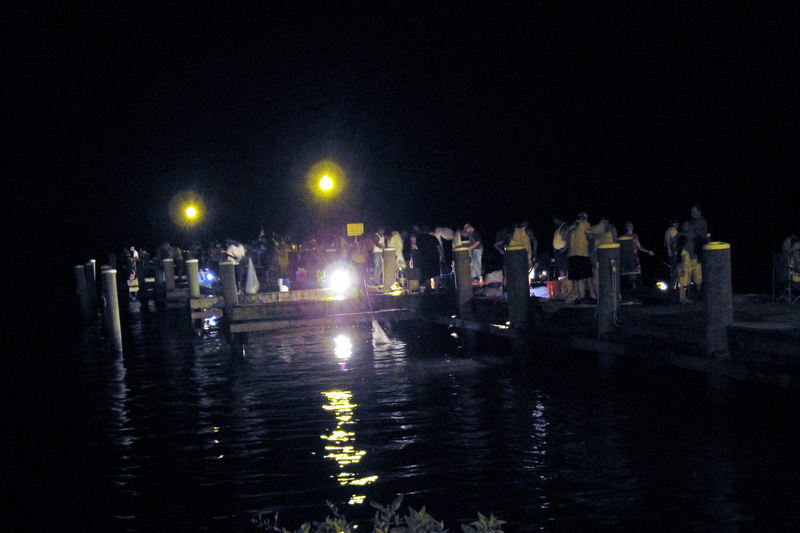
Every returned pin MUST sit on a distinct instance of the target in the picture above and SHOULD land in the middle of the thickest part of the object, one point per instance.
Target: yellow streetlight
(187, 209)
(326, 183)
(326, 179)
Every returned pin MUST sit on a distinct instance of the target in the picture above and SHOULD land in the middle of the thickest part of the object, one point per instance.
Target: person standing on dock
(579, 266)
(691, 268)
(475, 252)
(523, 236)
(671, 244)
(236, 253)
(396, 242)
(560, 247)
(133, 257)
(699, 225)
(378, 244)
(636, 274)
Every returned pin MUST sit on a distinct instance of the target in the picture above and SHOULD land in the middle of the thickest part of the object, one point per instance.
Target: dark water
(177, 435)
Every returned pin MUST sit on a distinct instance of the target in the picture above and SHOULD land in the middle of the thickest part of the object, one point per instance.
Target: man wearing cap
(475, 252)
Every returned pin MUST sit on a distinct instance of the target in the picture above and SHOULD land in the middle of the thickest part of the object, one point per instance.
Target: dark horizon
(438, 117)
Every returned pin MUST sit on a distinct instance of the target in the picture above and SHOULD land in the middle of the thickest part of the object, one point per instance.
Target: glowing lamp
(326, 183)
(340, 280)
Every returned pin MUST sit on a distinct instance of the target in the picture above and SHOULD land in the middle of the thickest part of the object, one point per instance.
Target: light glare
(340, 279)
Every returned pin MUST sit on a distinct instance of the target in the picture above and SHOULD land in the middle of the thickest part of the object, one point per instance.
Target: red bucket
(555, 290)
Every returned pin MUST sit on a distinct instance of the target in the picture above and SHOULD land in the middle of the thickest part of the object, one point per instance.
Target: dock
(726, 336)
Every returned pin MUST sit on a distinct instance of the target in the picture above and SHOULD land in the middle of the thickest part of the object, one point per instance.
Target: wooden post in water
(389, 269)
(463, 281)
(83, 291)
(608, 258)
(228, 275)
(104, 300)
(464, 292)
(718, 297)
(90, 272)
(169, 273)
(515, 261)
(113, 325)
(519, 292)
(193, 275)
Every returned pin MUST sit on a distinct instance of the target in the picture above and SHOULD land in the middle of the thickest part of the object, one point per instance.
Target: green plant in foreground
(387, 519)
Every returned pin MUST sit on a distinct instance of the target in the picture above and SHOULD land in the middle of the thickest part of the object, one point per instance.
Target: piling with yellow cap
(608, 260)
(515, 261)
(718, 297)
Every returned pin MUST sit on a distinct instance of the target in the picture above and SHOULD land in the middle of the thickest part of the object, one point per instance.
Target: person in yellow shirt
(579, 266)
(522, 237)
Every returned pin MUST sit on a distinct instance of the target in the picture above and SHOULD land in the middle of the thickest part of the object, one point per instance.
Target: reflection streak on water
(344, 454)
(175, 421)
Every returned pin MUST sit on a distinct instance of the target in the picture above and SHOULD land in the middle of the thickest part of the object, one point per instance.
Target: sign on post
(355, 229)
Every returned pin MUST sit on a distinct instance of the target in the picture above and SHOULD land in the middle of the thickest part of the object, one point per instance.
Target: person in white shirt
(236, 253)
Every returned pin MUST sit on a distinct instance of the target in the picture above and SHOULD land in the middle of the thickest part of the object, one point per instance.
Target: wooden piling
(83, 291)
(463, 281)
(389, 269)
(90, 273)
(193, 275)
(228, 275)
(608, 258)
(516, 263)
(169, 273)
(103, 300)
(113, 324)
(718, 297)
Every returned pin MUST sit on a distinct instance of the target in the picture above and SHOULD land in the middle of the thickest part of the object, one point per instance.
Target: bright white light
(210, 322)
(662, 285)
(326, 183)
(210, 276)
(343, 347)
(340, 279)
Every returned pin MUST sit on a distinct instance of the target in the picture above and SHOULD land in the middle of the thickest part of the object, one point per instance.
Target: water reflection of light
(340, 443)
(343, 346)
(535, 455)
(210, 323)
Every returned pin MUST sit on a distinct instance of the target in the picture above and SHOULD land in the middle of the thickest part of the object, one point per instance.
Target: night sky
(443, 115)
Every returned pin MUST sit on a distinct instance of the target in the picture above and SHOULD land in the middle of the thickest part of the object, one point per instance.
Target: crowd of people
(281, 259)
